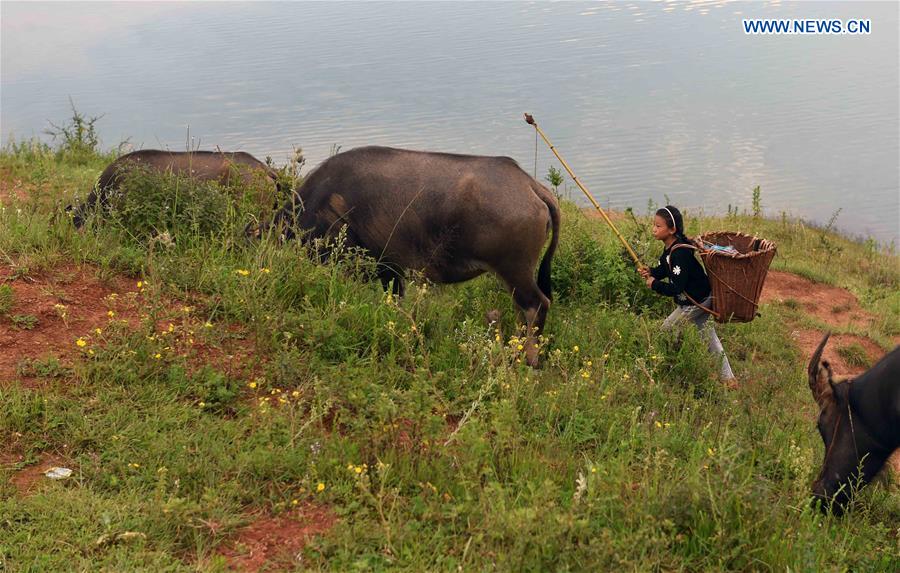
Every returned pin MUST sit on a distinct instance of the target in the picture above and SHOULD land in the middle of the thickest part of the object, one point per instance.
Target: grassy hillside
(234, 381)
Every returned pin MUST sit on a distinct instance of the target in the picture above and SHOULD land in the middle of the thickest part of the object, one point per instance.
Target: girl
(688, 283)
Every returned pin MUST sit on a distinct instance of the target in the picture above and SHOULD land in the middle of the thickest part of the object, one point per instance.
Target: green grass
(620, 453)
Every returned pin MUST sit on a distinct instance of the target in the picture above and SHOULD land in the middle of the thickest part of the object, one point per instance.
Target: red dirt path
(834, 306)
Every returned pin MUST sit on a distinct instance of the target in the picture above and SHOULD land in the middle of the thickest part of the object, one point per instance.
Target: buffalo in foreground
(859, 421)
(453, 217)
(222, 167)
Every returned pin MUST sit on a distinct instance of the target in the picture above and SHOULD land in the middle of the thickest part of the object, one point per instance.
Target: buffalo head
(281, 221)
(852, 454)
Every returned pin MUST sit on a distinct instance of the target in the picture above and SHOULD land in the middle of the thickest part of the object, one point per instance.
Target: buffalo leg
(81, 212)
(534, 305)
(386, 274)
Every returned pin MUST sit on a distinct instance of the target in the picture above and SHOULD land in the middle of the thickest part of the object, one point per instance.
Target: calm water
(644, 100)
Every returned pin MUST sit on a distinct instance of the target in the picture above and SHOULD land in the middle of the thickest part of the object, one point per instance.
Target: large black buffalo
(223, 167)
(859, 421)
(453, 217)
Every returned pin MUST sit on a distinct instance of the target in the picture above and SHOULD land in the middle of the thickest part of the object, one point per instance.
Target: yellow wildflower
(251, 385)
(157, 356)
(98, 331)
(658, 424)
(81, 342)
(202, 404)
(110, 313)
(575, 348)
(320, 487)
(265, 270)
(208, 325)
(140, 284)
(242, 272)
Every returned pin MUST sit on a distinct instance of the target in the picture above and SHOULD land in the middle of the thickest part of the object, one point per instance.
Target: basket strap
(700, 306)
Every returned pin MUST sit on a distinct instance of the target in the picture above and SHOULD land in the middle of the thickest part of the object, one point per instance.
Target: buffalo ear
(820, 375)
(839, 386)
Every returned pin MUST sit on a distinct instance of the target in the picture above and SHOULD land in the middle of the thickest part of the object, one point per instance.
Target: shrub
(589, 269)
(78, 138)
(148, 204)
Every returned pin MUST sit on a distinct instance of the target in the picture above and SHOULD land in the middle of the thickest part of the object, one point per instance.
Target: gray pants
(700, 318)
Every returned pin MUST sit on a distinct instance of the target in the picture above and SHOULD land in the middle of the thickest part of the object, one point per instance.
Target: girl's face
(661, 230)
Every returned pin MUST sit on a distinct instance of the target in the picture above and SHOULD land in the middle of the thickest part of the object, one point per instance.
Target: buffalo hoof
(531, 355)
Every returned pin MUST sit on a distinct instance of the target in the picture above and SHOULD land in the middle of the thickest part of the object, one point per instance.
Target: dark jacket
(685, 274)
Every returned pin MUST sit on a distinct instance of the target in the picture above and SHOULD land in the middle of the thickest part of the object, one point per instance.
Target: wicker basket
(736, 279)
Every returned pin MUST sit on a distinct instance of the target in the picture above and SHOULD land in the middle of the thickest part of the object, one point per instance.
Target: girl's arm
(658, 272)
(678, 277)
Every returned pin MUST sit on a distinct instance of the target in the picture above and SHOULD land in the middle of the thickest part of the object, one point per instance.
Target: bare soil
(28, 480)
(11, 188)
(830, 304)
(46, 330)
(275, 542)
(69, 302)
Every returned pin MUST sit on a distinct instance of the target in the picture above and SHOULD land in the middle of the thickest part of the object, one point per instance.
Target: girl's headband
(671, 216)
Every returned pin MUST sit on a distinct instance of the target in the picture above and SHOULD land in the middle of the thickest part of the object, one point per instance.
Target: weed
(555, 178)
(854, 355)
(757, 202)
(24, 321)
(49, 367)
(6, 298)
(826, 242)
(78, 138)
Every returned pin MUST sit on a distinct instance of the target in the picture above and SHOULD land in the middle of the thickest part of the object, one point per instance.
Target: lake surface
(643, 100)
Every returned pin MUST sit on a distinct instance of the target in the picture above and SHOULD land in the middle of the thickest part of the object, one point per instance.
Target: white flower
(676, 271)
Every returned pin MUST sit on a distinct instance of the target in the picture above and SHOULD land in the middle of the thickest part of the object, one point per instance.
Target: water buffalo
(453, 217)
(859, 421)
(219, 166)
